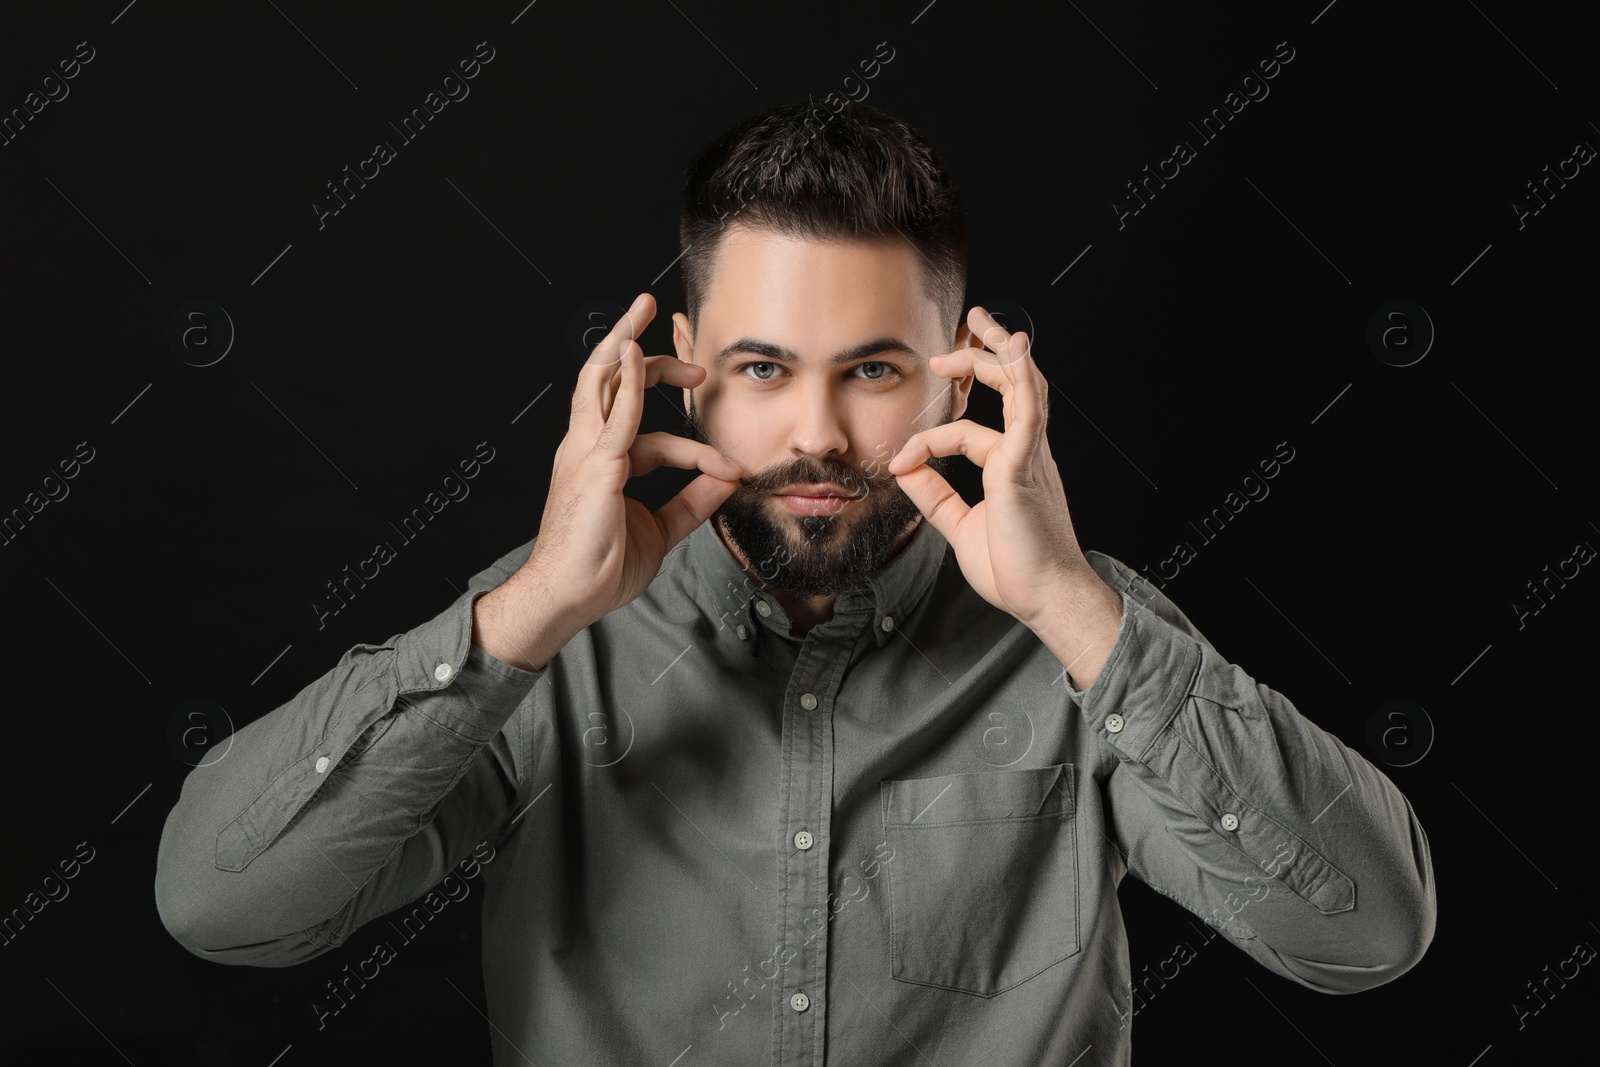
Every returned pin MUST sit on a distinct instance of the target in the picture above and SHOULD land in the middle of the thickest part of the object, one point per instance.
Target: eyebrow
(766, 349)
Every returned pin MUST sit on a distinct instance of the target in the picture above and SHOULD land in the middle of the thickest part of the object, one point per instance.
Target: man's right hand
(597, 549)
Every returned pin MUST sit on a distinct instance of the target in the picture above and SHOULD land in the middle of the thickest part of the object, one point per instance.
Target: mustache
(858, 483)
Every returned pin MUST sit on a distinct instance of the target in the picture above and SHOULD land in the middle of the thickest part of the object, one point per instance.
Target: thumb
(681, 515)
(941, 505)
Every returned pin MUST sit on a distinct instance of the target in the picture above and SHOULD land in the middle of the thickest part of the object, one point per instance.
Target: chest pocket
(983, 890)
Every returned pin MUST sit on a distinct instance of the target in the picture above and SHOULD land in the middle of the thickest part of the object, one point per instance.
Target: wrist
(521, 624)
(1081, 624)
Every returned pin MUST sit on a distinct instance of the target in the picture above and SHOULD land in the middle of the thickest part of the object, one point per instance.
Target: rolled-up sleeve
(351, 799)
(1231, 802)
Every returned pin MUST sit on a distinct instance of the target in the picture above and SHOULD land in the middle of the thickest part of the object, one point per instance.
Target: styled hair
(806, 172)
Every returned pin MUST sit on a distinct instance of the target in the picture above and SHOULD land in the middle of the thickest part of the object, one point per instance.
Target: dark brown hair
(804, 171)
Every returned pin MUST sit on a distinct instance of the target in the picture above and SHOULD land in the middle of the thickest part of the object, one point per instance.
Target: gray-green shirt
(895, 841)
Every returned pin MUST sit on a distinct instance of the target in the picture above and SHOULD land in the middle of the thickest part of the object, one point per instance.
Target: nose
(818, 431)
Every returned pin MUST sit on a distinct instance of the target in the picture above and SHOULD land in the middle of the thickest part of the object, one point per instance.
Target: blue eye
(760, 377)
(887, 369)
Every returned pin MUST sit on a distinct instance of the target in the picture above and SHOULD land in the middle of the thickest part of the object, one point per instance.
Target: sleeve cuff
(440, 654)
(1143, 683)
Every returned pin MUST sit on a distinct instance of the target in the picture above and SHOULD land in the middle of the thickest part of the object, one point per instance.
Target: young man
(849, 773)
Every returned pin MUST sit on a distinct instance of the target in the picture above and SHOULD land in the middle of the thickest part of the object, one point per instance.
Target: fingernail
(638, 302)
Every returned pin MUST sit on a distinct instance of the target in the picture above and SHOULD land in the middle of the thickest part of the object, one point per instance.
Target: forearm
(1273, 830)
(316, 797)
(1232, 802)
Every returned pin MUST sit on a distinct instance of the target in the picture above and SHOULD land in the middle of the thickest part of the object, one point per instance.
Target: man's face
(778, 312)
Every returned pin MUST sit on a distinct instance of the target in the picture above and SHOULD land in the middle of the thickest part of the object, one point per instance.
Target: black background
(372, 354)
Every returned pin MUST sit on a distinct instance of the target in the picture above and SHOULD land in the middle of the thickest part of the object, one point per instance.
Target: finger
(622, 423)
(1025, 401)
(983, 365)
(669, 369)
(961, 437)
(1019, 383)
(591, 395)
(681, 515)
(658, 449)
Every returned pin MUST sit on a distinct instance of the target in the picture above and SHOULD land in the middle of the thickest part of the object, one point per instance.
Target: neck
(804, 612)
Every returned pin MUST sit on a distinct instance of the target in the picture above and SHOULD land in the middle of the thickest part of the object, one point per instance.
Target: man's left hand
(1017, 546)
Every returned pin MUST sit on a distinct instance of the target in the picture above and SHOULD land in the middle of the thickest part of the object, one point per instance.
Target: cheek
(708, 397)
(746, 430)
(881, 437)
(753, 445)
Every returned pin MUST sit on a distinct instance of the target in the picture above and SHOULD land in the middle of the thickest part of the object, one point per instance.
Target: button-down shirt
(896, 840)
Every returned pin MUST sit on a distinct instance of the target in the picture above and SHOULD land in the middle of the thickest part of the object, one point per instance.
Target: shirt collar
(729, 593)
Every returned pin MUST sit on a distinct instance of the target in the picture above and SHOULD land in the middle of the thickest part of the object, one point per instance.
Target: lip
(815, 498)
(814, 489)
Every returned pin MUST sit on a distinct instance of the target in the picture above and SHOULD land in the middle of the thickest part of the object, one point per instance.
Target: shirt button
(799, 1002)
(808, 701)
(1114, 724)
(888, 622)
(741, 631)
(322, 764)
(1230, 822)
(442, 672)
(763, 609)
(803, 840)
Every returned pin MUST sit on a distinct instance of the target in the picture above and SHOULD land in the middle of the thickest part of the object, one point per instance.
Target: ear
(961, 388)
(683, 343)
(682, 339)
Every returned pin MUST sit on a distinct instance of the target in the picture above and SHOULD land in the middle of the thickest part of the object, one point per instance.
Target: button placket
(807, 803)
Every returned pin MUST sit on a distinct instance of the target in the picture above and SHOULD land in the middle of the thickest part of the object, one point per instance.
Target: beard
(817, 555)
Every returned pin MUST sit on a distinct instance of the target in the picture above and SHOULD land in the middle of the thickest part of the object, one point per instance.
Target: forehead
(765, 282)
